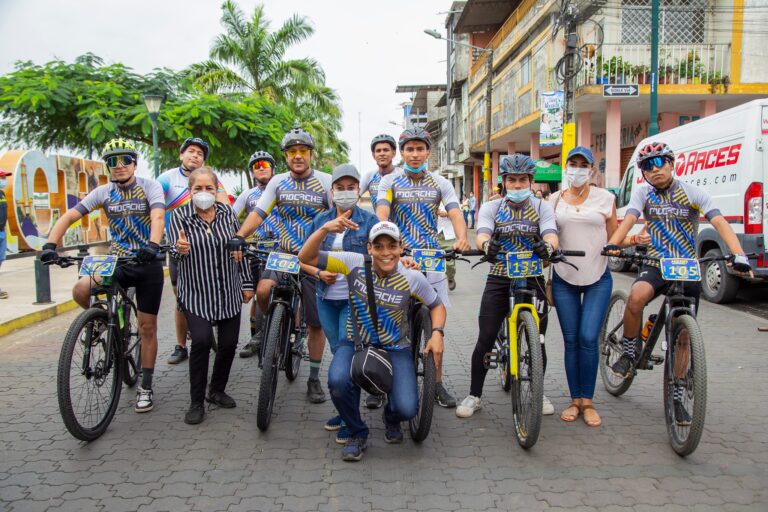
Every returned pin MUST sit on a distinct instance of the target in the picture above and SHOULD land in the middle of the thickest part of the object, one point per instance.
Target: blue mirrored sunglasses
(649, 164)
(114, 161)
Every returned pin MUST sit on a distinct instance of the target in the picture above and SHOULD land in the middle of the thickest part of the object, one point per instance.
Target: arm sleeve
(268, 198)
(702, 202)
(486, 222)
(449, 198)
(93, 200)
(384, 194)
(239, 205)
(246, 276)
(366, 179)
(155, 194)
(421, 289)
(547, 222)
(637, 201)
(339, 262)
(164, 182)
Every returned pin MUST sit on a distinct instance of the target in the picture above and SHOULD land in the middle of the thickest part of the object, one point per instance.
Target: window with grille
(680, 21)
(525, 70)
(539, 73)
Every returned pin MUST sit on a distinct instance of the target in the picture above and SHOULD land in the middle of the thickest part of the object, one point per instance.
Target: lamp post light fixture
(153, 102)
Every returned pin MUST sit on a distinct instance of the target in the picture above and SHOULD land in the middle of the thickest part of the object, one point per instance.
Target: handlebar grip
(472, 252)
(573, 253)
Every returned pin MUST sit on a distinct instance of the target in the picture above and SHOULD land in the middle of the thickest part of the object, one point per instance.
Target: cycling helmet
(383, 138)
(195, 141)
(261, 155)
(517, 164)
(297, 137)
(119, 147)
(655, 149)
(415, 134)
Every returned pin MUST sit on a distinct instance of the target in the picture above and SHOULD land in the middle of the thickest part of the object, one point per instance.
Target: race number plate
(283, 262)
(523, 264)
(430, 260)
(680, 269)
(103, 266)
(267, 245)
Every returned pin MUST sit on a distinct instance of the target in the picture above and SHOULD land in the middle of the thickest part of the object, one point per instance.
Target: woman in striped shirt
(211, 288)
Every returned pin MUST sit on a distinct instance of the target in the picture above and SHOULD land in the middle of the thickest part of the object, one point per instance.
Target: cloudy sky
(365, 47)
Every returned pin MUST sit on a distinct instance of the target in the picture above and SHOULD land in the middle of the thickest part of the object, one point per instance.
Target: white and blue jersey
(246, 203)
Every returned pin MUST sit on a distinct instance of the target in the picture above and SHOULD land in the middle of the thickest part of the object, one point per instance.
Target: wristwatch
(317, 274)
(439, 329)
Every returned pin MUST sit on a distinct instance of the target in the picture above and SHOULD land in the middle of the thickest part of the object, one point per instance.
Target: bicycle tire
(611, 349)
(271, 367)
(696, 387)
(502, 357)
(527, 412)
(293, 343)
(93, 317)
(131, 337)
(426, 374)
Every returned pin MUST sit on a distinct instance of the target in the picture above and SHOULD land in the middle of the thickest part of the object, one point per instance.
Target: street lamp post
(153, 103)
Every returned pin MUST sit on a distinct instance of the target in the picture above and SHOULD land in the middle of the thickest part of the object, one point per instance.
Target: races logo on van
(687, 164)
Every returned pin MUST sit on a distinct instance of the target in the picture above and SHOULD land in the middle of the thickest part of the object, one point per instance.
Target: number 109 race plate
(680, 269)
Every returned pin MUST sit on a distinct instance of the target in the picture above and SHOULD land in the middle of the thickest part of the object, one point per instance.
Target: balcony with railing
(678, 64)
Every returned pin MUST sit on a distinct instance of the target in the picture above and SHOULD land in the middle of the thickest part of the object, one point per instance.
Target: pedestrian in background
(472, 210)
(212, 288)
(3, 221)
(465, 209)
(586, 219)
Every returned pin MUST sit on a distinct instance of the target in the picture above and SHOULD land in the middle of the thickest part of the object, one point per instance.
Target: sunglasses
(125, 160)
(649, 164)
(292, 152)
(262, 164)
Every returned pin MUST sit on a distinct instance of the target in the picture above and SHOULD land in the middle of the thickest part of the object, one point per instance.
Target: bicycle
(517, 350)
(682, 338)
(103, 345)
(285, 332)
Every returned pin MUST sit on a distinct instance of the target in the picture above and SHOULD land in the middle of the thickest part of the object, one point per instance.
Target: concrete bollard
(42, 283)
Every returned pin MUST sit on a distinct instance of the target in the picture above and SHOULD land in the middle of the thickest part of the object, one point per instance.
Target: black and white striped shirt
(210, 282)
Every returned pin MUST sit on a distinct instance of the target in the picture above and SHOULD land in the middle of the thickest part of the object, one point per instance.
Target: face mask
(345, 199)
(577, 176)
(3, 183)
(422, 168)
(203, 200)
(518, 196)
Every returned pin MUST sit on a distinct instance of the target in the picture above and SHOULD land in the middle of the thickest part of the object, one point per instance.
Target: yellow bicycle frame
(512, 328)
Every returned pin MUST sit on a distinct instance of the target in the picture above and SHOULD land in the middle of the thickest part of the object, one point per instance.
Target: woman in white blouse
(586, 219)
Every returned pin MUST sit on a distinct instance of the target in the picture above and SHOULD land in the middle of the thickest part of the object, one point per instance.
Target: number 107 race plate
(680, 269)
(430, 260)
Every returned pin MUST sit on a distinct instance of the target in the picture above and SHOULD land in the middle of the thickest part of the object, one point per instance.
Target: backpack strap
(371, 296)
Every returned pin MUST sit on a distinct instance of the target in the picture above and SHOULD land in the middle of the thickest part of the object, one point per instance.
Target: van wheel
(618, 264)
(718, 285)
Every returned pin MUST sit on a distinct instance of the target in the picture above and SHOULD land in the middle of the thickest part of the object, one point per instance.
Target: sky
(366, 48)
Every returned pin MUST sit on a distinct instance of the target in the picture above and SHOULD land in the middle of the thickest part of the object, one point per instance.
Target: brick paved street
(156, 462)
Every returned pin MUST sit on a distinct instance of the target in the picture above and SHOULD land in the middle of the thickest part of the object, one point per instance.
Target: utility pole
(653, 125)
(488, 95)
(569, 123)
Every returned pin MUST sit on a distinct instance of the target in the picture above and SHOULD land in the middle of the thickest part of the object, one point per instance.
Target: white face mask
(345, 199)
(577, 176)
(203, 200)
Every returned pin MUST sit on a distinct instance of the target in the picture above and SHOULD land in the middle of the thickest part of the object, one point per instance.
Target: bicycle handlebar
(68, 261)
(639, 258)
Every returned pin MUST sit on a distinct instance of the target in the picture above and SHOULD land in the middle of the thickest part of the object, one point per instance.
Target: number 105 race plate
(680, 269)
(430, 260)
(283, 262)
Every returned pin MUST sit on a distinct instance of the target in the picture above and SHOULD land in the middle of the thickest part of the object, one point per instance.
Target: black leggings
(201, 331)
(494, 308)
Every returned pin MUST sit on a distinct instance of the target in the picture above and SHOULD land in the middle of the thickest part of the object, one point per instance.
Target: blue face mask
(518, 196)
(423, 167)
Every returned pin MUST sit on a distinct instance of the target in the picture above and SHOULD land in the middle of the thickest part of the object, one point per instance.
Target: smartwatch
(439, 329)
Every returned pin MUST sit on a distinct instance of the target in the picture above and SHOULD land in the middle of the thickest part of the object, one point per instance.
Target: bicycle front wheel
(88, 382)
(685, 375)
(610, 344)
(528, 386)
(294, 343)
(131, 342)
(420, 424)
(278, 330)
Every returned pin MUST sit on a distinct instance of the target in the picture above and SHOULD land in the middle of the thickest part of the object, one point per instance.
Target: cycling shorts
(148, 280)
(308, 293)
(652, 275)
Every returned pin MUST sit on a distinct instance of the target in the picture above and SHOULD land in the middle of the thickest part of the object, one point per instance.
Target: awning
(547, 171)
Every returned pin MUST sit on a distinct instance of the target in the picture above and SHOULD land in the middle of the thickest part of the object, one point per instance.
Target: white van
(726, 154)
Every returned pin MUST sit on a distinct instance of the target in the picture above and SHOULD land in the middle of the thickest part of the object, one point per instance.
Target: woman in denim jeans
(332, 291)
(586, 219)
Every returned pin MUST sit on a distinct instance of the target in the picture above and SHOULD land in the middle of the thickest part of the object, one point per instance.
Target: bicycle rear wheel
(131, 342)
(420, 424)
(610, 344)
(686, 337)
(528, 386)
(278, 329)
(88, 382)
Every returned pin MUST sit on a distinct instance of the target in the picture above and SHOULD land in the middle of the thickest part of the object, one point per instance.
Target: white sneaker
(547, 408)
(468, 406)
(143, 400)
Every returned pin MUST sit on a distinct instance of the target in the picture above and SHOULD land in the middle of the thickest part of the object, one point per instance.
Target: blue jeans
(581, 311)
(403, 400)
(333, 318)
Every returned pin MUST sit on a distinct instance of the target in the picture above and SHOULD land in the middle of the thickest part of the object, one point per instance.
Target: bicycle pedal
(491, 360)
(656, 359)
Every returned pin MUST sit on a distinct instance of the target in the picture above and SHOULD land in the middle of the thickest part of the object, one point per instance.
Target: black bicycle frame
(288, 293)
(675, 303)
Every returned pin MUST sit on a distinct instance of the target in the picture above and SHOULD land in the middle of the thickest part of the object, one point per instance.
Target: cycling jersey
(298, 200)
(414, 203)
(176, 190)
(370, 182)
(392, 292)
(247, 202)
(510, 221)
(128, 212)
(672, 217)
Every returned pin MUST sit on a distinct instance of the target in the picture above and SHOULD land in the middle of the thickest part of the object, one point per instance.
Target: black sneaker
(443, 397)
(252, 347)
(195, 414)
(315, 393)
(451, 284)
(374, 401)
(221, 399)
(682, 418)
(179, 354)
(392, 432)
(623, 367)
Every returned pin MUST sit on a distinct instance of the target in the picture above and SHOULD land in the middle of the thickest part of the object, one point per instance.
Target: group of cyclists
(315, 215)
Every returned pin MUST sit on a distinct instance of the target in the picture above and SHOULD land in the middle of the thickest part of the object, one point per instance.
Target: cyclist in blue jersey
(193, 153)
(299, 196)
(411, 199)
(135, 213)
(383, 149)
(671, 209)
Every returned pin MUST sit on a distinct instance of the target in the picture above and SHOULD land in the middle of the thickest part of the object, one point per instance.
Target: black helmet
(383, 138)
(415, 134)
(195, 141)
(261, 155)
(297, 137)
(517, 163)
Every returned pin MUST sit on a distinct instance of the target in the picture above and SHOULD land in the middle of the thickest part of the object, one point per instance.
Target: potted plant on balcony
(642, 73)
(718, 83)
(615, 68)
(690, 69)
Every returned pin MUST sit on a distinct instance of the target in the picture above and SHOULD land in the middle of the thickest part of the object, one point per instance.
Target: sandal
(571, 417)
(594, 423)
